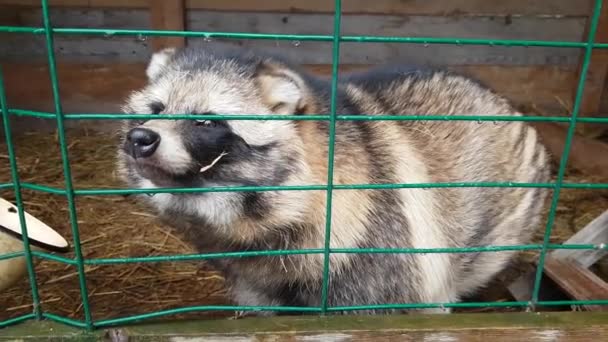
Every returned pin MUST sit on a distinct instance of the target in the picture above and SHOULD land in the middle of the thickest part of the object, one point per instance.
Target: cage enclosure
(67, 66)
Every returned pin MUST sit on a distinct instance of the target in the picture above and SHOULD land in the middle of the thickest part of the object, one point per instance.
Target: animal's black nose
(142, 142)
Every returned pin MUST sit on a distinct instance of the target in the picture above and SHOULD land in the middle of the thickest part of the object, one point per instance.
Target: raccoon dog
(210, 153)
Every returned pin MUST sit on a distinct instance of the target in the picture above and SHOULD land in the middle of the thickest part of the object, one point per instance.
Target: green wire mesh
(71, 193)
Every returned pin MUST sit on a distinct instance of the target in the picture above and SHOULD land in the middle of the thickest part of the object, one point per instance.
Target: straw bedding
(116, 226)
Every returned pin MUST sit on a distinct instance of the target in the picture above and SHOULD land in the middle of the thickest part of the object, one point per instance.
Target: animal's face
(211, 152)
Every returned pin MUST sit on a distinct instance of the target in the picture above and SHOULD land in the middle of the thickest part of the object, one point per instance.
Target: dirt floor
(115, 226)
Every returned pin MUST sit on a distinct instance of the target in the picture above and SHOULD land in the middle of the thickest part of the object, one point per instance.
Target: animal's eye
(157, 107)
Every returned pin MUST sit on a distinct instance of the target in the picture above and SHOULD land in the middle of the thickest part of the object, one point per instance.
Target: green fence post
(69, 188)
(330, 151)
(18, 199)
(566, 151)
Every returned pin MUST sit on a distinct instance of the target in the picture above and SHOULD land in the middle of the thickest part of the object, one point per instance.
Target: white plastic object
(41, 237)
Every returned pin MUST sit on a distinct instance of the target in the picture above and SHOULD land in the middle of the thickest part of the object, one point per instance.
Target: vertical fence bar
(18, 198)
(66, 164)
(330, 150)
(566, 152)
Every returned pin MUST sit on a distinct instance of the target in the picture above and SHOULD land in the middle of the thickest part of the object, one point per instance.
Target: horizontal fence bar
(487, 249)
(387, 186)
(194, 257)
(148, 191)
(39, 254)
(573, 302)
(597, 186)
(20, 319)
(463, 305)
(32, 113)
(315, 117)
(43, 188)
(96, 192)
(64, 320)
(299, 37)
(53, 257)
(35, 187)
(156, 314)
(12, 255)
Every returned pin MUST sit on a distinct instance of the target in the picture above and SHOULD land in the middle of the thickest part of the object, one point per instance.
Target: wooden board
(584, 152)
(593, 233)
(167, 15)
(577, 281)
(136, 49)
(598, 66)
(417, 7)
(596, 77)
(100, 87)
(479, 327)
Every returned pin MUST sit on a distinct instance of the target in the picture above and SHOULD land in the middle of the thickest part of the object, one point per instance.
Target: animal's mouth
(194, 176)
(160, 176)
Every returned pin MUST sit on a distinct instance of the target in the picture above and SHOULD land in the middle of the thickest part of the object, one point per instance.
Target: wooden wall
(96, 72)
(473, 19)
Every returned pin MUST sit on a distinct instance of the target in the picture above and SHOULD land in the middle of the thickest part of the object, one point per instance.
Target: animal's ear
(282, 89)
(158, 62)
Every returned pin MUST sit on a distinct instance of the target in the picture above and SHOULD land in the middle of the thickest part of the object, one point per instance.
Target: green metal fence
(71, 193)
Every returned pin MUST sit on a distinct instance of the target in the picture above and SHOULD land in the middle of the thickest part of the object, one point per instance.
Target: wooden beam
(595, 85)
(584, 151)
(598, 66)
(120, 49)
(167, 15)
(474, 327)
(596, 232)
(99, 87)
(577, 281)
(9, 16)
(394, 7)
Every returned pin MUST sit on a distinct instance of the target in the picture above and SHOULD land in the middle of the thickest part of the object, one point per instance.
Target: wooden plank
(470, 327)
(577, 281)
(99, 87)
(422, 7)
(596, 233)
(584, 151)
(596, 77)
(522, 287)
(167, 15)
(10, 17)
(598, 69)
(94, 49)
(409, 7)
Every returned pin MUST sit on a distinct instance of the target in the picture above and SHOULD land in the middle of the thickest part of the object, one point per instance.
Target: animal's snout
(142, 142)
